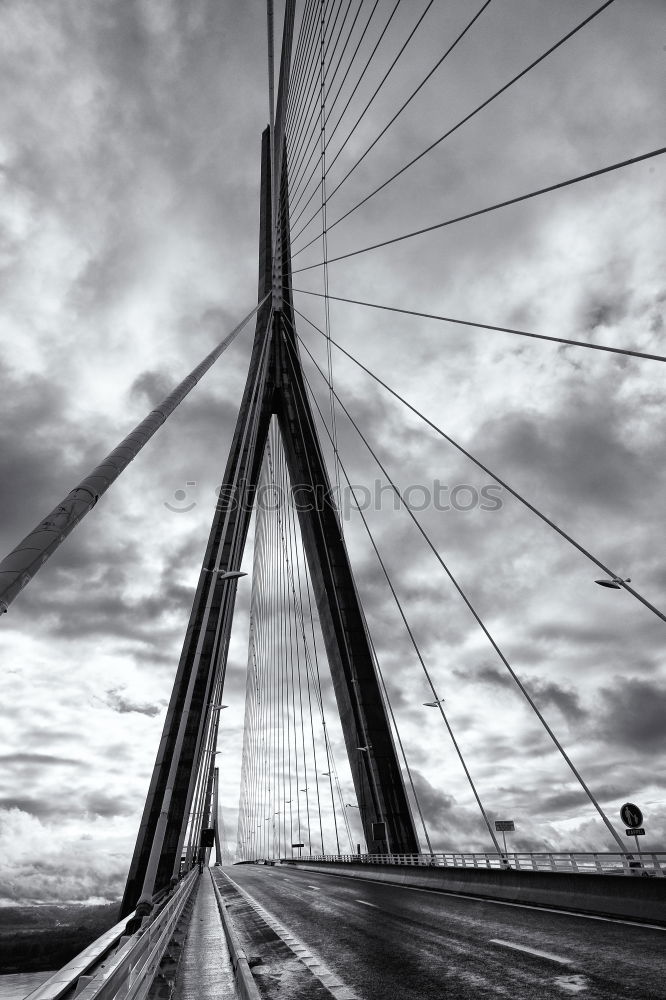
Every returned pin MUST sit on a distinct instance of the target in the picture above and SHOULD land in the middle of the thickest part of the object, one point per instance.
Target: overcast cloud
(129, 162)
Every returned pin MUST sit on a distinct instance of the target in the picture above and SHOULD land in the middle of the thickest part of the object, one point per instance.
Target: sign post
(632, 817)
(503, 826)
(299, 846)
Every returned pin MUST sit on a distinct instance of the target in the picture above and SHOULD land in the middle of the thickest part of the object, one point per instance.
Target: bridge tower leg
(275, 386)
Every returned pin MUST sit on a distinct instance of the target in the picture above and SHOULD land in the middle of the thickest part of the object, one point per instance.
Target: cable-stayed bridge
(269, 928)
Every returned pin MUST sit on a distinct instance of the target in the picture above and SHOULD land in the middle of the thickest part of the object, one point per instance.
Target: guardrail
(245, 984)
(127, 973)
(602, 863)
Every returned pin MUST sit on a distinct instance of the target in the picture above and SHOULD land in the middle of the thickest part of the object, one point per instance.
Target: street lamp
(614, 583)
(224, 574)
(434, 704)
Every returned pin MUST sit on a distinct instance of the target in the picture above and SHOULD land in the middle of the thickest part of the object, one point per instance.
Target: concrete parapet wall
(632, 898)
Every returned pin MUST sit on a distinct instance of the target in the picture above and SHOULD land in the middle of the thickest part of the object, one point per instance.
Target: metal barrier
(602, 863)
(127, 973)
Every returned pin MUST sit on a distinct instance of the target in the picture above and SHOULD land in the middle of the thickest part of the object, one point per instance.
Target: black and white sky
(130, 152)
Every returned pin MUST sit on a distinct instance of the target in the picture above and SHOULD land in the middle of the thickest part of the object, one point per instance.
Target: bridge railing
(601, 863)
(127, 973)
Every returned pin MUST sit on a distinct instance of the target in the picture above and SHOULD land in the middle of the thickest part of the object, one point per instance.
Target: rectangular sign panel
(638, 832)
(504, 825)
(379, 831)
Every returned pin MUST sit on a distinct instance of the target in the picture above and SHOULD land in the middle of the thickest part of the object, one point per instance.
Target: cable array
(290, 788)
(341, 44)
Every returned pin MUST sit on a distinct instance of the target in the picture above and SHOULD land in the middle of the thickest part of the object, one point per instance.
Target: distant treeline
(40, 938)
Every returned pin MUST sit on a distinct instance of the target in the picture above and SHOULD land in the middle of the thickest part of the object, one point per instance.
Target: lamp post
(351, 805)
(437, 703)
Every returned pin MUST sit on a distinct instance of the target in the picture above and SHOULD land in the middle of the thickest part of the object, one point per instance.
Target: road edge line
(336, 987)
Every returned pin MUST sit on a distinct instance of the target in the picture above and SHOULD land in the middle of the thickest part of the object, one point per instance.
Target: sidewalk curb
(245, 983)
(328, 979)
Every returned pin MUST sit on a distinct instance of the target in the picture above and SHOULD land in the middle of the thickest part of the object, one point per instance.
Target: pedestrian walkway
(205, 971)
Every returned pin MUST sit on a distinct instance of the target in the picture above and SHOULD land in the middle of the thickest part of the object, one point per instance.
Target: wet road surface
(395, 943)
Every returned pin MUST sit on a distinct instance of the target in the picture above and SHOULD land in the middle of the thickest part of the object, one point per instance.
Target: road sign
(636, 831)
(502, 825)
(298, 845)
(631, 814)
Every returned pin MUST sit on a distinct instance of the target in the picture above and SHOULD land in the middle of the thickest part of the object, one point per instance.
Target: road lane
(391, 942)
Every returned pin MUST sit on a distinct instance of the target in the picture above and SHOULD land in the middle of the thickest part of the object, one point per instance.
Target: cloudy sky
(130, 139)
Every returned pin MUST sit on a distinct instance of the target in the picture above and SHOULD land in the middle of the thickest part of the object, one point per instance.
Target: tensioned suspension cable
(27, 558)
(372, 98)
(472, 114)
(300, 139)
(324, 242)
(287, 537)
(312, 130)
(372, 645)
(316, 687)
(367, 65)
(352, 60)
(232, 560)
(484, 468)
(368, 62)
(297, 600)
(301, 55)
(490, 208)
(474, 612)
(298, 92)
(417, 651)
(485, 326)
(375, 799)
(211, 588)
(402, 107)
(414, 92)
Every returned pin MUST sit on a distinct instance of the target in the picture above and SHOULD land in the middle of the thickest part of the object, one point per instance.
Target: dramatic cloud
(129, 170)
(119, 703)
(633, 713)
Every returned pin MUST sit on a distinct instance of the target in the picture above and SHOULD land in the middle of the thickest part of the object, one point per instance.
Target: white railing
(127, 973)
(602, 863)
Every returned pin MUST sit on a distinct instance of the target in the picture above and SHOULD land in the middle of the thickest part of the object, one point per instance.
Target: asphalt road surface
(394, 943)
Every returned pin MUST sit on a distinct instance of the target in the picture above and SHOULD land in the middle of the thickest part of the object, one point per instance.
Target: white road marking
(532, 951)
(313, 887)
(335, 986)
(572, 984)
(501, 902)
(374, 905)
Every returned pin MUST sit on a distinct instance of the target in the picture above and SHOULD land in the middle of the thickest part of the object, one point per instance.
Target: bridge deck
(205, 971)
(392, 942)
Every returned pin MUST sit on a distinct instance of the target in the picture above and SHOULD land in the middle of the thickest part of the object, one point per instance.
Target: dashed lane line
(532, 951)
(499, 902)
(366, 903)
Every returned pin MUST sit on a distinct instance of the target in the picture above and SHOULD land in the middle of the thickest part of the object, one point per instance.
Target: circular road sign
(631, 815)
